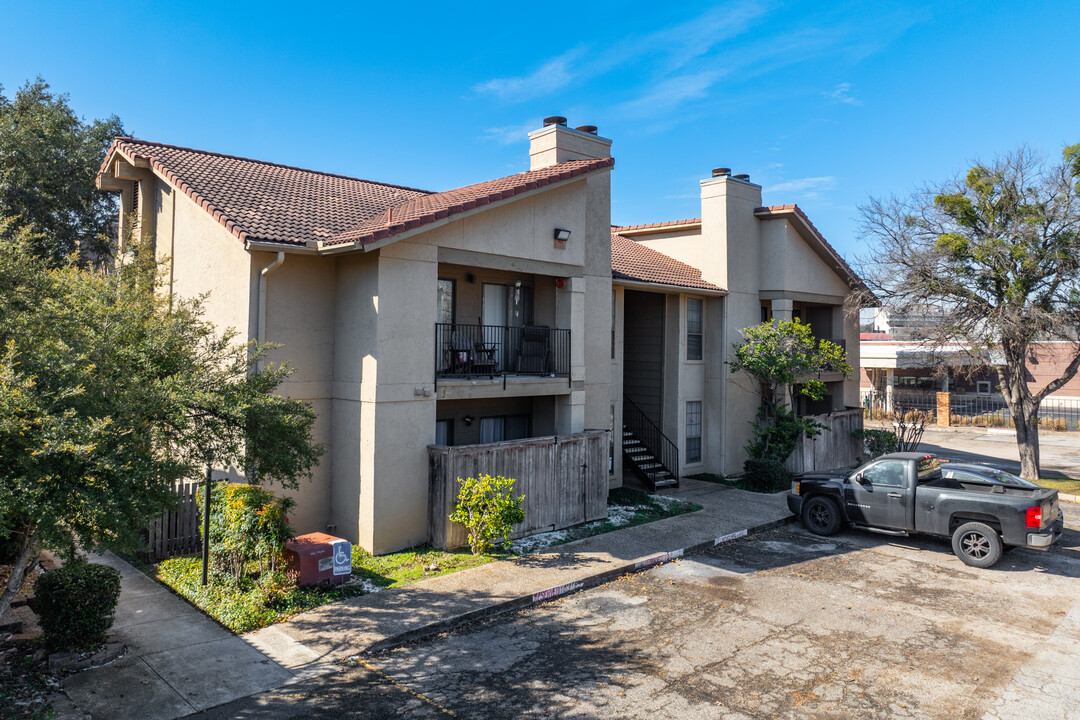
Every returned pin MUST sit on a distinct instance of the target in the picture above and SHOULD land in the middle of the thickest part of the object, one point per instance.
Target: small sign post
(342, 557)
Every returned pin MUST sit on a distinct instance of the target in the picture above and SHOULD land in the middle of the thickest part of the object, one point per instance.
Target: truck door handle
(895, 495)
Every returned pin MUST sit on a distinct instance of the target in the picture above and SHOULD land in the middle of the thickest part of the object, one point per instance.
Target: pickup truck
(906, 494)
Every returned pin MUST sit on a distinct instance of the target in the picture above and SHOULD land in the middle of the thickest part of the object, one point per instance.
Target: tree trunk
(27, 556)
(1023, 407)
(1027, 441)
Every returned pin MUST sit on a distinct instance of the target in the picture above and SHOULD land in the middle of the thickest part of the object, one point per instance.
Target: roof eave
(408, 232)
(667, 287)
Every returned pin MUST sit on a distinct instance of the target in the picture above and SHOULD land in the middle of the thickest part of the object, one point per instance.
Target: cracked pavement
(780, 625)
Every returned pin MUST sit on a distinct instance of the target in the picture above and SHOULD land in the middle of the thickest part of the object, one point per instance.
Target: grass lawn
(1061, 484)
(250, 605)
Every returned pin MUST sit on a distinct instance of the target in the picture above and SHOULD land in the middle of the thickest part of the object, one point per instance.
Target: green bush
(248, 524)
(877, 441)
(75, 605)
(765, 474)
(248, 604)
(488, 510)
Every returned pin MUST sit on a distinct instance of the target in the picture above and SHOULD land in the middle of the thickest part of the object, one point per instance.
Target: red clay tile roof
(657, 225)
(264, 201)
(633, 261)
(429, 208)
(782, 209)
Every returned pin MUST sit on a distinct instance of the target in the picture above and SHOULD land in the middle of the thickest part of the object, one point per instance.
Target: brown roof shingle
(429, 208)
(263, 201)
(633, 261)
(268, 202)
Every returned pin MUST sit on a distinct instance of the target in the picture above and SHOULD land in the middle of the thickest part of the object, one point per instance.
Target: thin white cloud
(510, 134)
(671, 92)
(669, 49)
(553, 75)
(842, 94)
(809, 188)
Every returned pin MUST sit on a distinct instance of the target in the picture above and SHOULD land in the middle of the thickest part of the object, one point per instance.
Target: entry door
(879, 498)
(495, 307)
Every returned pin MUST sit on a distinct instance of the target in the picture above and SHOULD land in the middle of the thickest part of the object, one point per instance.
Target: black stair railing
(660, 445)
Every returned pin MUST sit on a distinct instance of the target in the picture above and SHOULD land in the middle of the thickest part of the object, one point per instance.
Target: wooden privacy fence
(564, 480)
(176, 532)
(833, 448)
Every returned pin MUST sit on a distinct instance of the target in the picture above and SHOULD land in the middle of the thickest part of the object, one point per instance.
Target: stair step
(664, 483)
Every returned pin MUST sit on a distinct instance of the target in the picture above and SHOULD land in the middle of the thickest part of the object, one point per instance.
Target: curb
(1069, 498)
(524, 601)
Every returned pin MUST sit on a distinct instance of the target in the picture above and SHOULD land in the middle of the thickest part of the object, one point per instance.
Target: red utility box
(318, 558)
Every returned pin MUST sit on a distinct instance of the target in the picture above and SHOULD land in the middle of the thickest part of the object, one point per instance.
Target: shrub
(766, 474)
(488, 510)
(75, 605)
(876, 441)
(248, 524)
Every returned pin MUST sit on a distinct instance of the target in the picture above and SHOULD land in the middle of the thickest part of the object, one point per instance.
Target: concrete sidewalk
(392, 617)
(1058, 451)
(180, 662)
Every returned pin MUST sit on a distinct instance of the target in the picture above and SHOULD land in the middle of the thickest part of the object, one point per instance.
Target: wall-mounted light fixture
(560, 283)
(467, 419)
(470, 278)
(561, 234)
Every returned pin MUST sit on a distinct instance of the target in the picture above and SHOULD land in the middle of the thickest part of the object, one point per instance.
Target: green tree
(48, 160)
(108, 396)
(999, 250)
(784, 359)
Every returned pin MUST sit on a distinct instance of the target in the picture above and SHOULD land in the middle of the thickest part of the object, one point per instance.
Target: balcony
(500, 351)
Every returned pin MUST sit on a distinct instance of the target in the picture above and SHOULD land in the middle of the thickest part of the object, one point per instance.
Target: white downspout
(261, 337)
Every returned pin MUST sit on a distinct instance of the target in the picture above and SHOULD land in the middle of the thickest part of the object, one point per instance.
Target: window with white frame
(982, 387)
(694, 314)
(693, 432)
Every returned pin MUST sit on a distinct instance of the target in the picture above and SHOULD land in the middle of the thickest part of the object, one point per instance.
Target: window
(693, 431)
(982, 387)
(694, 312)
(444, 432)
(504, 427)
(612, 324)
(446, 301)
(890, 472)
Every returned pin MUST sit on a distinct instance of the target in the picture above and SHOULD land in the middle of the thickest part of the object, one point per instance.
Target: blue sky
(823, 104)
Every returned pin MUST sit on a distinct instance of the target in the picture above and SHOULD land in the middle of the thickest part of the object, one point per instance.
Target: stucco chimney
(730, 231)
(556, 143)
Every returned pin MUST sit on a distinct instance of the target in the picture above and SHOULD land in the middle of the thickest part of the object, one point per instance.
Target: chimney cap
(720, 172)
(742, 176)
(554, 120)
(591, 129)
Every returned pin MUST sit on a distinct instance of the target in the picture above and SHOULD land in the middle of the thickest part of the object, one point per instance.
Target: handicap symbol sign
(342, 557)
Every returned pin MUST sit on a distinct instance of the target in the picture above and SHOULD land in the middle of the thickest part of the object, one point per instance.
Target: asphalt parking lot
(783, 624)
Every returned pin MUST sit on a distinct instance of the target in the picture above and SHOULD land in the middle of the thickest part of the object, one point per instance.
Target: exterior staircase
(650, 454)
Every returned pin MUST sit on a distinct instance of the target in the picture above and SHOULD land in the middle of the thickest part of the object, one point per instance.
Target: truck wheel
(821, 516)
(977, 544)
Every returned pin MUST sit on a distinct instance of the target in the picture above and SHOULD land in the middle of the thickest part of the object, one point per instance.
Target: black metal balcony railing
(467, 351)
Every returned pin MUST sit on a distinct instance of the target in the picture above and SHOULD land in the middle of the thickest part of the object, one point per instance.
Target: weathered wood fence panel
(176, 531)
(833, 448)
(563, 478)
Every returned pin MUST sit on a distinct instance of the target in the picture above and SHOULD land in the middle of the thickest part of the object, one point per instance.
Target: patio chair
(459, 354)
(532, 356)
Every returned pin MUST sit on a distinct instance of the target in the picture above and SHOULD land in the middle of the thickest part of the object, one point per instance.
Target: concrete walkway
(391, 617)
(1058, 451)
(180, 662)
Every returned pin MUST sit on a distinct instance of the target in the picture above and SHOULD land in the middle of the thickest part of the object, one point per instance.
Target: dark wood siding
(643, 358)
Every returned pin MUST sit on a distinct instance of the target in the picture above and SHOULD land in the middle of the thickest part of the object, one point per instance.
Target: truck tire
(977, 544)
(821, 516)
